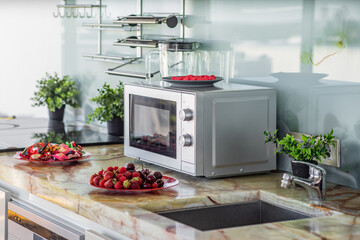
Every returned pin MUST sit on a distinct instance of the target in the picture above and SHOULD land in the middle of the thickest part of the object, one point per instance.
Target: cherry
(130, 166)
(150, 178)
(158, 175)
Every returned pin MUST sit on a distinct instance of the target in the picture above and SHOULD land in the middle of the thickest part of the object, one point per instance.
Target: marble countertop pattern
(132, 214)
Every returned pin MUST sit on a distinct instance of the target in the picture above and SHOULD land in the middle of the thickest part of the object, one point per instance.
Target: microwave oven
(213, 131)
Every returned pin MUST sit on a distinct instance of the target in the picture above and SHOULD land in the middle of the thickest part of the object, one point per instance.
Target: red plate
(191, 83)
(84, 156)
(168, 183)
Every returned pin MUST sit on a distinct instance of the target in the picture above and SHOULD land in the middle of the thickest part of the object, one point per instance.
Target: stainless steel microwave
(204, 131)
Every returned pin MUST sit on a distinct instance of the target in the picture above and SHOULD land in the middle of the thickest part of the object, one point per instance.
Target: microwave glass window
(153, 125)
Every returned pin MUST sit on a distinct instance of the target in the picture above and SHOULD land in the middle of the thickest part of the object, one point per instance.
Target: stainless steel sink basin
(234, 215)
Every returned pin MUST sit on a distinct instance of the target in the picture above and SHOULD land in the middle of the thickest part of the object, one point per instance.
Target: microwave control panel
(187, 141)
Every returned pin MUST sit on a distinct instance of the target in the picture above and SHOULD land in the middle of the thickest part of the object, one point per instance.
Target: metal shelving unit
(131, 23)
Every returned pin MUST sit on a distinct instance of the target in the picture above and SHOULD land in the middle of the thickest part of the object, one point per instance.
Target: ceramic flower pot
(301, 170)
(58, 115)
(56, 126)
(115, 127)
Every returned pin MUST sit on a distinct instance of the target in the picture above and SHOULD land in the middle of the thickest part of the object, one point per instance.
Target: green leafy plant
(54, 137)
(111, 103)
(307, 57)
(309, 148)
(55, 92)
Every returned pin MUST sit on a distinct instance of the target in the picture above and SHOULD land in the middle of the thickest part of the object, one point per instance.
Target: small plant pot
(58, 115)
(115, 127)
(56, 126)
(301, 170)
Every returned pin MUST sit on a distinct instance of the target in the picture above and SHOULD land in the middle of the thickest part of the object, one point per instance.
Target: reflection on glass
(153, 125)
(56, 137)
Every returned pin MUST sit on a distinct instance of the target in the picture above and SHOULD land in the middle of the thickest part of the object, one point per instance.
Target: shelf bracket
(112, 71)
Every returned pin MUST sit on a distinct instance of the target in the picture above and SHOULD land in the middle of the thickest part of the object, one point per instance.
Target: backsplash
(307, 50)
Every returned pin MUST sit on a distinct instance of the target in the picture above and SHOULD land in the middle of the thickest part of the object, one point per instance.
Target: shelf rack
(109, 58)
(110, 26)
(72, 10)
(130, 23)
(137, 43)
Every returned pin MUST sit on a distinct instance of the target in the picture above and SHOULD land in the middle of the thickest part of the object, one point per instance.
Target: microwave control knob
(185, 140)
(186, 114)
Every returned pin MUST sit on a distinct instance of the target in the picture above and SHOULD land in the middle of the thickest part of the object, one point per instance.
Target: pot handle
(148, 60)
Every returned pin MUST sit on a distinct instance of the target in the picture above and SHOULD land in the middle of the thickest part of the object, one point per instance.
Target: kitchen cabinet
(4, 199)
(25, 216)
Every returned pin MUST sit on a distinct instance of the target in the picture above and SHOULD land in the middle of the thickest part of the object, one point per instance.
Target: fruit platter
(193, 81)
(194, 78)
(127, 179)
(52, 153)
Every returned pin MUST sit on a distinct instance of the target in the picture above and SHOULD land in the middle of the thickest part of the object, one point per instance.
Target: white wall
(30, 45)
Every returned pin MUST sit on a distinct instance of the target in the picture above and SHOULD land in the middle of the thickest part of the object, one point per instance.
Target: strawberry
(147, 185)
(92, 177)
(118, 185)
(135, 174)
(96, 180)
(110, 169)
(102, 183)
(128, 175)
(137, 179)
(135, 185)
(122, 170)
(118, 176)
(126, 184)
(116, 168)
(109, 184)
(122, 179)
(154, 185)
(101, 172)
(108, 175)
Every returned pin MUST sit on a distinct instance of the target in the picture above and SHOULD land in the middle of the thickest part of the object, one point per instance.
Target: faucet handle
(286, 180)
(316, 174)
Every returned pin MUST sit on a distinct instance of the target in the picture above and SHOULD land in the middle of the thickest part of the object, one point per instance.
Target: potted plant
(309, 148)
(56, 137)
(56, 93)
(111, 108)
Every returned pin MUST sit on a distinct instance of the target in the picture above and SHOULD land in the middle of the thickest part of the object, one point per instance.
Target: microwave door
(152, 127)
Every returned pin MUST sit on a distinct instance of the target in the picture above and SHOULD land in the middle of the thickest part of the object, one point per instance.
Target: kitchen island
(132, 215)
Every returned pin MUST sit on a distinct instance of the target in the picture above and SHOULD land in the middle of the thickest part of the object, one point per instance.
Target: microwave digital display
(153, 125)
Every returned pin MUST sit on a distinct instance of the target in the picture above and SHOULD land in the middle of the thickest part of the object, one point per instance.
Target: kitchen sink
(233, 215)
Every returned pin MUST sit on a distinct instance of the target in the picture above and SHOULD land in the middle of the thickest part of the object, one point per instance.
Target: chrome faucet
(315, 185)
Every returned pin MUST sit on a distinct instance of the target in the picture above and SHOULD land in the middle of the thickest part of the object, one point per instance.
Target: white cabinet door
(4, 199)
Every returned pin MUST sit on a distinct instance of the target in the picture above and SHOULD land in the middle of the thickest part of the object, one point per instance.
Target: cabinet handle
(4, 199)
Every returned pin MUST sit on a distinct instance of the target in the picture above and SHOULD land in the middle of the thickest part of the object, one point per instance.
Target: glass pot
(215, 59)
(176, 58)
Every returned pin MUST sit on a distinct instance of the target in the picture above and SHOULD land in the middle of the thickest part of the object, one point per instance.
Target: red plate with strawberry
(53, 153)
(193, 81)
(127, 179)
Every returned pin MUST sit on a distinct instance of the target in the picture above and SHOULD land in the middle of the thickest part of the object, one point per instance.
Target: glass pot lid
(180, 46)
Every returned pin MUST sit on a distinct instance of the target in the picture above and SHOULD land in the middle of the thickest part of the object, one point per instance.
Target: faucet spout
(315, 185)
